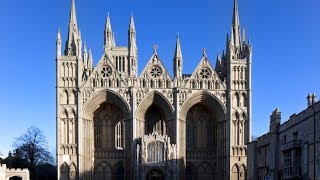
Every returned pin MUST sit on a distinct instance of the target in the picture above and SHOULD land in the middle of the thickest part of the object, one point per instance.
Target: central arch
(155, 114)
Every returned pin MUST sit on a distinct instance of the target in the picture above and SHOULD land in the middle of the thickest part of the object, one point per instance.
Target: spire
(108, 23)
(90, 60)
(72, 45)
(132, 46)
(132, 38)
(85, 56)
(58, 43)
(108, 34)
(131, 26)
(218, 63)
(178, 54)
(177, 60)
(235, 19)
(244, 36)
(236, 24)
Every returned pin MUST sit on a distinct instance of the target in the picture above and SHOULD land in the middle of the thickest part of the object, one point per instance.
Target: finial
(178, 35)
(204, 53)
(155, 48)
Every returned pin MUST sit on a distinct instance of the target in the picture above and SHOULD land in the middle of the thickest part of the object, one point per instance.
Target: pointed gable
(105, 75)
(154, 74)
(204, 76)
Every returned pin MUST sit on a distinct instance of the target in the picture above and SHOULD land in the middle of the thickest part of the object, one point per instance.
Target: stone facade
(6, 174)
(115, 124)
(290, 150)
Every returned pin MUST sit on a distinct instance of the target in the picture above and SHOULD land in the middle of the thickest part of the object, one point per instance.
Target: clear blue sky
(285, 36)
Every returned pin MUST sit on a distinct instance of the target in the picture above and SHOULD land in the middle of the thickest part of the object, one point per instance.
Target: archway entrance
(15, 178)
(155, 174)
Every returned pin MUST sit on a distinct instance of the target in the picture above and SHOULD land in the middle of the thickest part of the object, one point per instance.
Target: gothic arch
(105, 96)
(64, 171)
(205, 98)
(242, 172)
(73, 171)
(102, 171)
(154, 97)
(235, 172)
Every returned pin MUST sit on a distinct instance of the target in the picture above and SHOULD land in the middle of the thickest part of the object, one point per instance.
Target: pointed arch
(235, 172)
(102, 170)
(205, 98)
(102, 96)
(73, 171)
(236, 101)
(154, 97)
(64, 97)
(64, 171)
(64, 116)
(244, 99)
(242, 172)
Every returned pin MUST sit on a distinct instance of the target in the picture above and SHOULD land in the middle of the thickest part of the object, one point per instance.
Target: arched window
(155, 121)
(155, 151)
(235, 173)
(118, 129)
(191, 134)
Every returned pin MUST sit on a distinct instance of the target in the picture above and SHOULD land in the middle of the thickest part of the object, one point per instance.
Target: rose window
(205, 73)
(106, 71)
(155, 71)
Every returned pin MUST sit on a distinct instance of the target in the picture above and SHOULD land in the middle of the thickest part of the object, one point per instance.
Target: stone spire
(108, 35)
(236, 25)
(218, 63)
(132, 48)
(90, 61)
(85, 56)
(177, 60)
(72, 41)
(58, 43)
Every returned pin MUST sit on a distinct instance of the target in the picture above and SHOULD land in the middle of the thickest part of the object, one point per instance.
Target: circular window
(106, 71)
(155, 71)
(205, 73)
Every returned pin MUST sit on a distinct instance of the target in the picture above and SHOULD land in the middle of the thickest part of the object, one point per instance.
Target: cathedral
(113, 123)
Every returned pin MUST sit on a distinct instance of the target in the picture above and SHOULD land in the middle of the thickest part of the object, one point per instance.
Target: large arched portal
(204, 129)
(109, 140)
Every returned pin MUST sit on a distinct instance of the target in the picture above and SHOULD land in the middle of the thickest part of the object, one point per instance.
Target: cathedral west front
(113, 123)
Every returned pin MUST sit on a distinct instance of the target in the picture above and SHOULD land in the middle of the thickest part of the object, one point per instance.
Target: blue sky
(285, 36)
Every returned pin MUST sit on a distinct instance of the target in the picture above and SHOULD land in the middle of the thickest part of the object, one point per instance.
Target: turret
(177, 60)
(58, 43)
(108, 35)
(72, 44)
(132, 48)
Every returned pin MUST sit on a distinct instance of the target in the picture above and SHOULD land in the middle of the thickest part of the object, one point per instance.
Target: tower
(113, 123)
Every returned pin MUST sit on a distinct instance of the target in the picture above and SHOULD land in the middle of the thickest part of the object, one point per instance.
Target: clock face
(205, 73)
(106, 71)
(155, 71)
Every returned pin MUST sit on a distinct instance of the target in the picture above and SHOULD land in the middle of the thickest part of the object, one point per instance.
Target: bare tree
(33, 147)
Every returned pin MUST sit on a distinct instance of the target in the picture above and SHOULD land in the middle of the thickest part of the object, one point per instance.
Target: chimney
(275, 120)
(309, 98)
(314, 98)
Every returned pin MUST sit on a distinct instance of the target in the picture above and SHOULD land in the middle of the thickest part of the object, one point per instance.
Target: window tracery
(155, 71)
(205, 73)
(106, 71)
